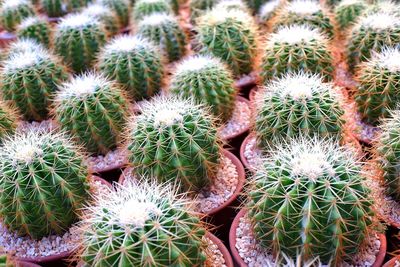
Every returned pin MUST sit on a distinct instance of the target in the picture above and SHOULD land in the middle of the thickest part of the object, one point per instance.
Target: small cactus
(135, 63)
(146, 225)
(53, 8)
(78, 38)
(200, 7)
(121, 8)
(372, 33)
(22, 45)
(12, 12)
(379, 88)
(44, 183)
(296, 48)
(175, 140)
(348, 11)
(208, 81)
(269, 10)
(309, 197)
(94, 110)
(143, 8)
(36, 28)
(29, 79)
(255, 5)
(165, 31)
(230, 35)
(105, 15)
(77, 5)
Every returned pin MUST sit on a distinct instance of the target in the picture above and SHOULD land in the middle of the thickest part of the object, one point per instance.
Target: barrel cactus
(208, 81)
(296, 105)
(230, 35)
(44, 183)
(309, 197)
(161, 229)
(232, 5)
(8, 120)
(53, 8)
(36, 28)
(12, 12)
(105, 15)
(255, 5)
(296, 48)
(165, 31)
(121, 8)
(305, 12)
(372, 33)
(143, 8)
(93, 110)
(348, 11)
(269, 10)
(200, 7)
(29, 80)
(175, 140)
(135, 63)
(76, 5)
(22, 45)
(78, 38)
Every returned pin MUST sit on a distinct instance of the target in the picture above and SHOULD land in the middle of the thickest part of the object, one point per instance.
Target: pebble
(215, 258)
(113, 159)
(46, 125)
(240, 121)
(252, 153)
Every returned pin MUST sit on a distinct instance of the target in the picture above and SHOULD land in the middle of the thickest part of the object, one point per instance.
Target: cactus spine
(43, 184)
(12, 12)
(105, 15)
(348, 11)
(22, 45)
(121, 8)
(135, 63)
(53, 8)
(36, 28)
(145, 8)
(8, 120)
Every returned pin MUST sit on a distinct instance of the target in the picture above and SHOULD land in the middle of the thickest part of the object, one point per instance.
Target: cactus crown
(77, 21)
(232, 4)
(24, 45)
(388, 59)
(348, 11)
(309, 198)
(13, 11)
(105, 15)
(379, 21)
(286, 35)
(162, 228)
(303, 7)
(36, 28)
(24, 60)
(144, 8)
(268, 9)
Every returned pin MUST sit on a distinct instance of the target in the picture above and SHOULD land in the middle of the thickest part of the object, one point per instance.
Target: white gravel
(112, 160)
(46, 125)
(252, 153)
(215, 258)
(240, 121)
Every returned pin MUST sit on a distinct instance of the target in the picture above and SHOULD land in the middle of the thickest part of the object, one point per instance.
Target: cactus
(372, 33)
(296, 105)
(8, 120)
(200, 7)
(269, 10)
(146, 225)
(208, 81)
(77, 5)
(134, 62)
(22, 45)
(43, 183)
(309, 197)
(384, 6)
(305, 12)
(94, 110)
(175, 140)
(296, 48)
(255, 5)
(230, 35)
(36, 28)
(53, 8)
(379, 89)
(145, 8)
(165, 31)
(12, 12)
(29, 79)
(232, 5)
(105, 15)
(348, 11)
(78, 38)
(121, 8)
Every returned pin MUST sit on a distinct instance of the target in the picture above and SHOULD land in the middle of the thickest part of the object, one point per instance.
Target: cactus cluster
(348, 11)
(145, 8)
(36, 28)
(53, 8)
(309, 197)
(12, 12)
(105, 15)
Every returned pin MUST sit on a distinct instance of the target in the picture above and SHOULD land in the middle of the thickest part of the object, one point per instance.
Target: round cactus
(22, 45)
(372, 33)
(44, 183)
(29, 79)
(105, 15)
(76, 5)
(348, 11)
(208, 81)
(384, 6)
(145, 8)
(309, 197)
(135, 63)
(164, 30)
(146, 225)
(94, 110)
(78, 38)
(232, 5)
(175, 140)
(121, 8)
(269, 10)
(296, 48)
(200, 7)
(53, 8)
(230, 35)
(36, 28)
(304, 12)
(297, 105)
(379, 89)
(12, 12)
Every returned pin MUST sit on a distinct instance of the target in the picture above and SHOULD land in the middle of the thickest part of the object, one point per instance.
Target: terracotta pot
(101, 180)
(252, 94)
(26, 264)
(239, 261)
(222, 248)
(392, 262)
(6, 38)
(236, 193)
(242, 132)
(246, 164)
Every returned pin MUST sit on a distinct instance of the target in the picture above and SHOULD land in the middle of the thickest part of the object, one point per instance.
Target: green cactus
(78, 38)
(175, 4)
(379, 85)
(53, 8)
(255, 5)
(200, 7)
(145, 8)
(165, 31)
(105, 15)
(8, 120)
(29, 79)
(296, 48)
(230, 35)
(12, 12)
(348, 11)
(77, 5)
(208, 81)
(142, 224)
(121, 8)
(372, 33)
(22, 45)
(43, 183)
(135, 63)
(175, 140)
(309, 197)
(305, 12)
(36, 28)
(93, 110)
(384, 6)
(232, 5)
(296, 105)
(269, 10)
